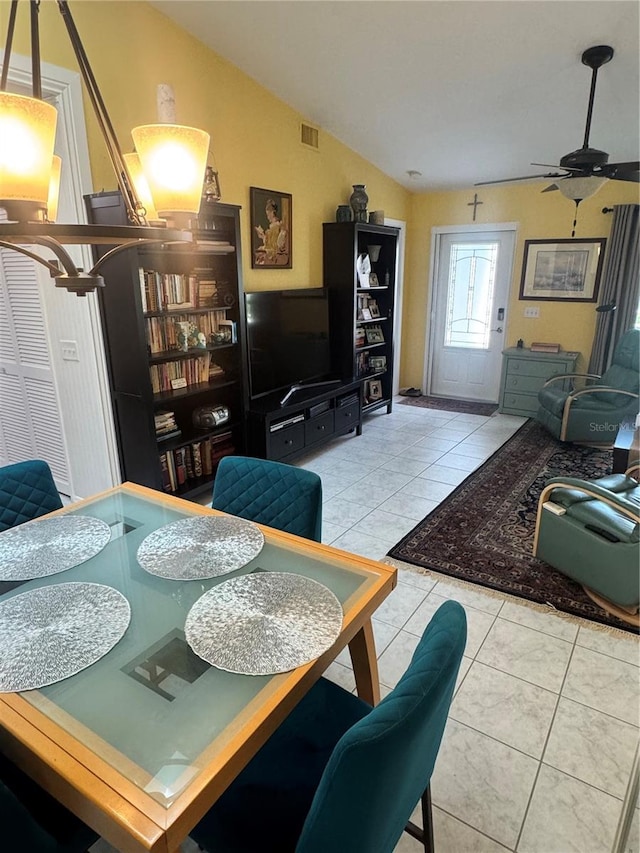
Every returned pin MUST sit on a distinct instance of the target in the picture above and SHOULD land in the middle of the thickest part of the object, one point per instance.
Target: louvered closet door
(30, 420)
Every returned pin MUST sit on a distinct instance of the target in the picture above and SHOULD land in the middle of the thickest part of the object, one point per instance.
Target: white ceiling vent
(309, 136)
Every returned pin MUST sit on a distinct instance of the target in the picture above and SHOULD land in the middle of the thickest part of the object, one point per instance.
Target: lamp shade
(141, 186)
(54, 189)
(578, 189)
(173, 160)
(27, 137)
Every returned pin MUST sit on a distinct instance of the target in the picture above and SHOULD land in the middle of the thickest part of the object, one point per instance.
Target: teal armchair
(272, 493)
(27, 491)
(590, 531)
(593, 414)
(339, 775)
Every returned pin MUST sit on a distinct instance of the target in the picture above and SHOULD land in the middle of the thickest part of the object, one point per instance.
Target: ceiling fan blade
(622, 171)
(520, 178)
(555, 166)
(550, 188)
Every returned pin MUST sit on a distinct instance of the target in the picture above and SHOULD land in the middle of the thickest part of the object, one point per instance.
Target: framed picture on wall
(271, 219)
(562, 270)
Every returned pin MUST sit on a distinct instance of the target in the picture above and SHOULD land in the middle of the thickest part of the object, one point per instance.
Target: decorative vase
(358, 201)
(183, 328)
(344, 213)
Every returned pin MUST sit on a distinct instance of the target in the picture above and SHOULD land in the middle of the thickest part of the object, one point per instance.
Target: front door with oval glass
(471, 290)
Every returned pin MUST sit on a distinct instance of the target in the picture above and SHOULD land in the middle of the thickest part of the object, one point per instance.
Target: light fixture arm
(135, 210)
(53, 269)
(7, 46)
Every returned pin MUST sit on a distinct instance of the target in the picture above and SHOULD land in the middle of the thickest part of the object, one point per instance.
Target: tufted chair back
(271, 493)
(27, 491)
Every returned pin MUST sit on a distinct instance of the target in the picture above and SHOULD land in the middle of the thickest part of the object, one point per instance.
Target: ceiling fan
(585, 170)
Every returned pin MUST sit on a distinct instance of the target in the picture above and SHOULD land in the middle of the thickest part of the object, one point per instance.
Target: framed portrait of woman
(270, 212)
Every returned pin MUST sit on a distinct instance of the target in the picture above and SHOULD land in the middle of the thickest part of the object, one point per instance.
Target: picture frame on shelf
(373, 280)
(366, 314)
(566, 270)
(373, 390)
(378, 362)
(374, 310)
(271, 228)
(374, 335)
(360, 337)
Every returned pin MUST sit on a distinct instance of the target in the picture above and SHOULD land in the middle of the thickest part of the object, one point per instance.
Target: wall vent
(309, 136)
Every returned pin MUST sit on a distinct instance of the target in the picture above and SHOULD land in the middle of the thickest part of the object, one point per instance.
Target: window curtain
(620, 286)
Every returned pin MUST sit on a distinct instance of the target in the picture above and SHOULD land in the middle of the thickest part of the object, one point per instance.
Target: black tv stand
(280, 429)
(302, 386)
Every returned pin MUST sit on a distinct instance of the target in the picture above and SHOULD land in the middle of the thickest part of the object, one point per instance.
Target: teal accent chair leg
(425, 835)
(271, 493)
(340, 775)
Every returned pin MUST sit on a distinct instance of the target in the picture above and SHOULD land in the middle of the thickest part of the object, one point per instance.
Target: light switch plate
(532, 311)
(69, 350)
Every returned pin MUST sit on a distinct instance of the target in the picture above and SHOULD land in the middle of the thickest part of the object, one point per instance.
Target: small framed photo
(378, 362)
(373, 280)
(366, 314)
(374, 335)
(271, 216)
(373, 308)
(374, 390)
(562, 270)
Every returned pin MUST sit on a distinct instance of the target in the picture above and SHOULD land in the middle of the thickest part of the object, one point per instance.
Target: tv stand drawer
(285, 441)
(315, 429)
(348, 417)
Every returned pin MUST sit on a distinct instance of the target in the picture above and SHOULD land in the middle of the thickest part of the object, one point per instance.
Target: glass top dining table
(141, 743)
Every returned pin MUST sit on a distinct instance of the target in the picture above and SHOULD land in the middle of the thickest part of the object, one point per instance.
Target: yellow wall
(255, 137)
(538, 215)
(255, 141)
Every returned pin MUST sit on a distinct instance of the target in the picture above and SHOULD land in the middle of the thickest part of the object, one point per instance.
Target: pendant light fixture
(169, 165)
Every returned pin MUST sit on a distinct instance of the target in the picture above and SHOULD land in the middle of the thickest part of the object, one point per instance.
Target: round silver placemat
(52, 632)
(264, 623)
(200, 547)
(45, 547)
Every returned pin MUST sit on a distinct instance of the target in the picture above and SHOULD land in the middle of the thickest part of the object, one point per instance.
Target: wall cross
(474, 204)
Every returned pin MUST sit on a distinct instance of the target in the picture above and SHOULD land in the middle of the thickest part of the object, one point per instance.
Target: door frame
(397, 301)
(65, 86)
(437, 232)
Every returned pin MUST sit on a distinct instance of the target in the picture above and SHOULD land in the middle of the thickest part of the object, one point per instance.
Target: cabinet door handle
(288, 441)
(321, 427)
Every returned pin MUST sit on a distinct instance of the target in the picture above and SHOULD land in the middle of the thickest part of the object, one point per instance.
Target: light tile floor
(544, 723)
(542, 730)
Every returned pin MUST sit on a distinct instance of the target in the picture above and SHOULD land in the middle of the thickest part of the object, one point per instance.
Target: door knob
(499, 329)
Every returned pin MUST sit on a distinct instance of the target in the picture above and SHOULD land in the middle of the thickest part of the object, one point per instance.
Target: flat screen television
(287, 338)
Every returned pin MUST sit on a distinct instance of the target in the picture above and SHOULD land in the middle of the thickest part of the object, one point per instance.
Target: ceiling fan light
(578, 189)
(27, 137)
(53, 196)
(173, 160)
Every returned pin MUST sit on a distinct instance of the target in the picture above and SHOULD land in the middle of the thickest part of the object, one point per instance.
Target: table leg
(365, 664)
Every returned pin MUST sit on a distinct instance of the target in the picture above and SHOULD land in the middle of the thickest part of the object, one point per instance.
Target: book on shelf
(194, 461)
(181, 467)
(542, 346)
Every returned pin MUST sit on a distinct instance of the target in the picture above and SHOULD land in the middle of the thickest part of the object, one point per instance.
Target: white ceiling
(459, 90)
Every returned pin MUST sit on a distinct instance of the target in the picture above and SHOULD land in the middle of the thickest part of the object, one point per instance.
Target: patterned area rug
(483, 532)
(466, 407)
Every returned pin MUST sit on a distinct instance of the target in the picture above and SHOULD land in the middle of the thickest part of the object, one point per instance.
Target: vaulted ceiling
(458, 90)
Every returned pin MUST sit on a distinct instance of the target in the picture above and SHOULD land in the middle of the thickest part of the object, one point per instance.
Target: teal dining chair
(340, 775)
(32, 820)
(271, 493)
(27, 491)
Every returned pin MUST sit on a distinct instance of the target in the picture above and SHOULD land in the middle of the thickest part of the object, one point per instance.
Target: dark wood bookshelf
(124, 325)
(343, 242)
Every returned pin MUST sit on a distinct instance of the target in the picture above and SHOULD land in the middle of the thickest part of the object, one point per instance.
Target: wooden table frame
(119, 810)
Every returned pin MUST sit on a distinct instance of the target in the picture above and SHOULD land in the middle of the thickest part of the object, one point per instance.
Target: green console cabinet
(523, 375)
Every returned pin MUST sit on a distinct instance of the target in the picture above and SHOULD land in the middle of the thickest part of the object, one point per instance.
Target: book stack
(184, 466)
(162, 335)
(166, 426)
